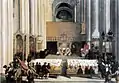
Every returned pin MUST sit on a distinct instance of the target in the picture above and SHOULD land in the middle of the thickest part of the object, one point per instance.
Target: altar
(61, 37)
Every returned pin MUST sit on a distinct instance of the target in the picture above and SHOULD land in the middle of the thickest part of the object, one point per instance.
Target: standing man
(64, 67)
(44, 70)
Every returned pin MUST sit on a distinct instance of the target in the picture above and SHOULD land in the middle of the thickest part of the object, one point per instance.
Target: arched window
(64, 12)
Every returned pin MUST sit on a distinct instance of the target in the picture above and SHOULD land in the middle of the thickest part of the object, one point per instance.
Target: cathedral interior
(62, 31)
(29, 26)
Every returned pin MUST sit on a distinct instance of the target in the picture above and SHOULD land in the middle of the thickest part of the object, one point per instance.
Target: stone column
(10, 31)
(16, 15)
(88, 21)
(117, 57)
(82, 10)
(0, 36)
(101, 15)
(44, 28)
(32, 16)
(22, 23)
(78, 12)
(112, 22)
(109, 44)
(26, 13)
(49, 10)
(107, 15)
(39, 18)
(35, 18)
(104, 16)
(43, 21)
(4, 57)
(101, 21)
(117, 30)
(22, 16)
(95, 33)
(39, 27)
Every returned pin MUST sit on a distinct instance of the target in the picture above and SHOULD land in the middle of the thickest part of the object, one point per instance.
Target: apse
(64, 12)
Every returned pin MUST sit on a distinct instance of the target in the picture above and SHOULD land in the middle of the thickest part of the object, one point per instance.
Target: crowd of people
(43, 70)
(87, 71)
(110, 67)
(17, 68)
